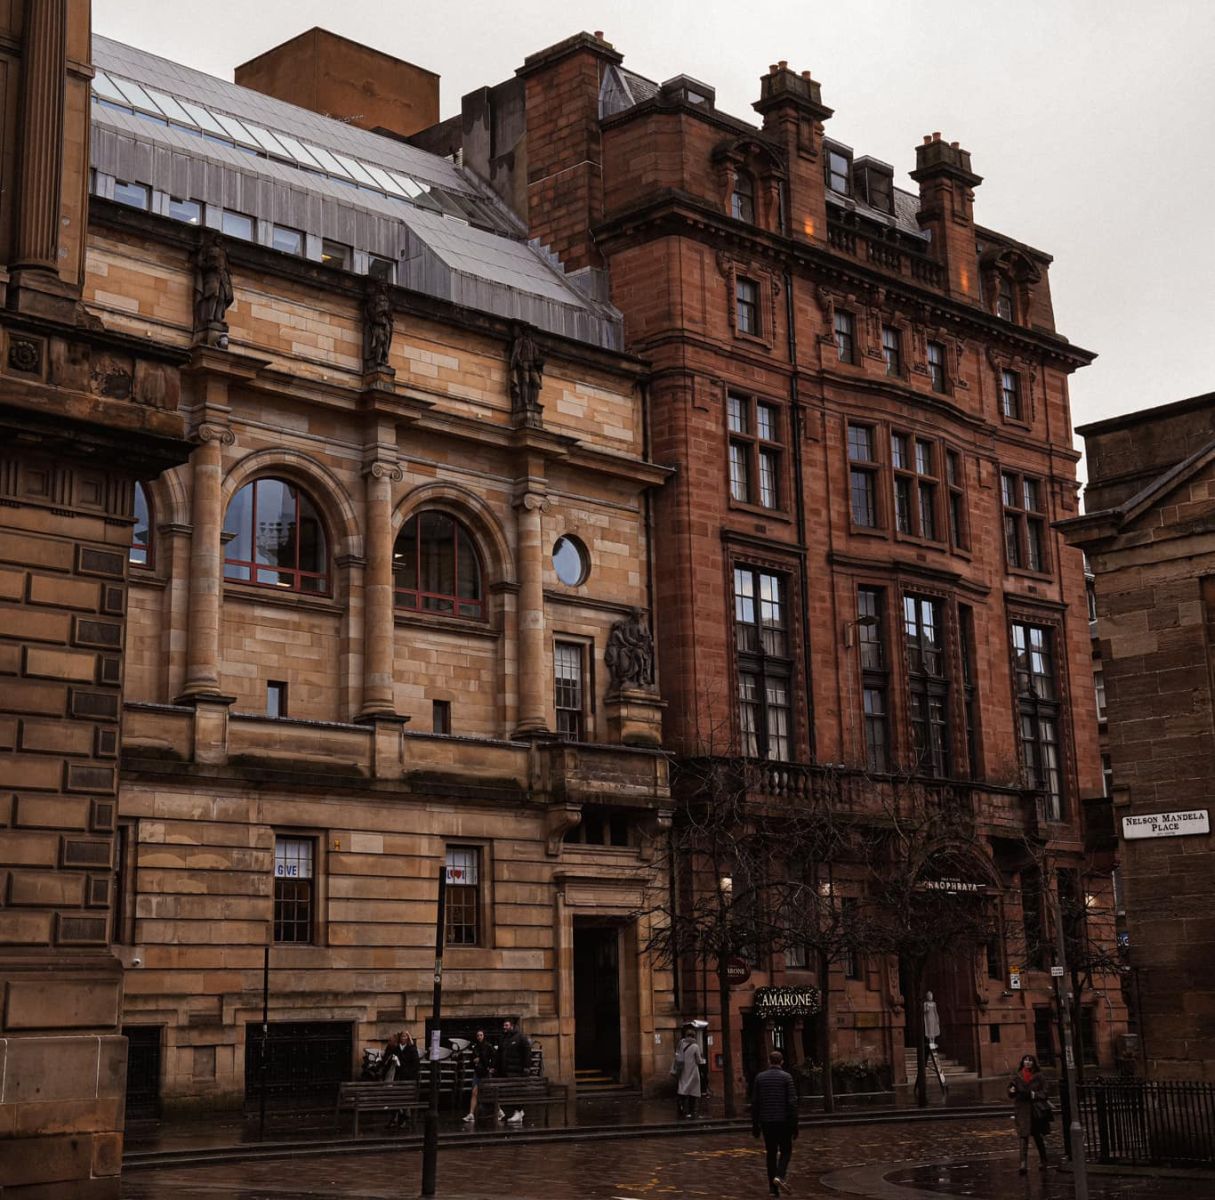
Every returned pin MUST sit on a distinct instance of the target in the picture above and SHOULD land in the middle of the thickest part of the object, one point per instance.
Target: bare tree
(930, 880)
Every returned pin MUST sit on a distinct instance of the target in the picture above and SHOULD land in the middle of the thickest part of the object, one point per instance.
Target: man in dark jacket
(514, 1059)
(774, 1114)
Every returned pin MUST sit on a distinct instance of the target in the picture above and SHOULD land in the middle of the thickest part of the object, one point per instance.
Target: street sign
(1056, 972)
(1167, 824)
(1014, 981)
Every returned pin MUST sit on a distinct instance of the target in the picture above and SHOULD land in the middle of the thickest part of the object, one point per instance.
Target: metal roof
(187, 135)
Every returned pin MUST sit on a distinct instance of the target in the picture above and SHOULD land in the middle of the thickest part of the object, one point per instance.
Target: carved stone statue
(630, 652)
(932, 1019)
(526, 377)
(212, 289)
(377, 327)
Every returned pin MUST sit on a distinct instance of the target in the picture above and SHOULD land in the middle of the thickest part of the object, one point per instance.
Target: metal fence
(1138, 1121)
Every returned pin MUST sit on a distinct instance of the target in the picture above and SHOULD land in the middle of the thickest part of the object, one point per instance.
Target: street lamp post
(1075, 1132)
(430, 1134)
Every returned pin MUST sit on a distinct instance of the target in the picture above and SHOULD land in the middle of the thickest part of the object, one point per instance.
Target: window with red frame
(436, 569)
(273, 537)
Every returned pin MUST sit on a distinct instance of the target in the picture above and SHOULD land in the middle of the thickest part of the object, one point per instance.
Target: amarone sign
(786, 1001)
(1167, 824)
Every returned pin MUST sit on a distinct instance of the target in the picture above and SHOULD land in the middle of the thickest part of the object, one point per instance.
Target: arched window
(435, 567)
(140, 552)
(273, 536)
(742, 200)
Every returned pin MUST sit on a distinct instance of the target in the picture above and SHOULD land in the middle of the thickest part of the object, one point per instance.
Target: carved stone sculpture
(377, 327)
(630, 652)
(212, 291)
(526, 377)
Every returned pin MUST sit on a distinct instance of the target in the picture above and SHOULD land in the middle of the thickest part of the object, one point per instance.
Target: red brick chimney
(793, 111)
(564, 145)
(328, 74)
(942, 169)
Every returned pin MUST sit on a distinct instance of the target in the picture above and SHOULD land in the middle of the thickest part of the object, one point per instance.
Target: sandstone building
(86, 412)
(864, 396)
(391, 619)
(1147, 531)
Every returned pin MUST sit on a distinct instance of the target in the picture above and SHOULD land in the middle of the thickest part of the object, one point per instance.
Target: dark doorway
(754, 1046)
(305, 1062)
(597, 999)
(143, 1071)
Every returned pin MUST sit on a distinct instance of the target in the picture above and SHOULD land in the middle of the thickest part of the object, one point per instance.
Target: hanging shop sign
(1167, 824)
(786, 1001)
(738, 970)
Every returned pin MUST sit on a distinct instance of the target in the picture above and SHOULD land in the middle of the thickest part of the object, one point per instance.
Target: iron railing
(1145, 1122)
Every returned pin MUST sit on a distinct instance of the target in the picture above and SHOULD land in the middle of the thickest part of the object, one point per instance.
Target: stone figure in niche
(630, 652)
(526, 376)
(212, 290)
(377, 327)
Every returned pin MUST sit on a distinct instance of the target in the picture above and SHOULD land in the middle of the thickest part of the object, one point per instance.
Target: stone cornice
(673, 211)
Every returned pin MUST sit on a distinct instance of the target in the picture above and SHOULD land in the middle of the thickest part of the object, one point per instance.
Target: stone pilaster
(206, 562)
(36, 287)
(378, 628)
(43, 64)
(533, 699)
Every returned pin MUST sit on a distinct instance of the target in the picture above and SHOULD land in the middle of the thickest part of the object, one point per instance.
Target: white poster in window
(292, 859)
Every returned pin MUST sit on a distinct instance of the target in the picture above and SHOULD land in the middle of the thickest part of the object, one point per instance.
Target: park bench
(512, 1092)
(376, 1096)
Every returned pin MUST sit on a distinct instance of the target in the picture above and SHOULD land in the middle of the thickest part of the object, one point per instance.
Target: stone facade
(351, 729)
(859, 388)
(85, 413)
(1147, 531)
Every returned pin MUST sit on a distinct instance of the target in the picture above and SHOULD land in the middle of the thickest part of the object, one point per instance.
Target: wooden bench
(514, 1092)
(375, 1096)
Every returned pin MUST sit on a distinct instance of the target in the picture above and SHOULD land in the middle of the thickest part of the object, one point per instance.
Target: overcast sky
(1090, 121)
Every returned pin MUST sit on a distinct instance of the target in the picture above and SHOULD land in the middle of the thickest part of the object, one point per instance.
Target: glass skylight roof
(189, 117)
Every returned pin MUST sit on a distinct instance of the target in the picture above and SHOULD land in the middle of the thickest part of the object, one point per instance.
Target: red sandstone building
(1147, 532)
(865, 399)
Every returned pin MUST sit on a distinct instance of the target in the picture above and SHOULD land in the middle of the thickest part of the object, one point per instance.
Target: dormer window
(839, 172)
(874, 183)
(1005, 304)
(742, 200)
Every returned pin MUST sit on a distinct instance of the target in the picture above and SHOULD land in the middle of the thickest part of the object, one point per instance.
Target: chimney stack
(792, 107)
(942, 169)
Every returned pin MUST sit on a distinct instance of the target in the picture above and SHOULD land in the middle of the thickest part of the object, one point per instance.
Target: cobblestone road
(712, 1167)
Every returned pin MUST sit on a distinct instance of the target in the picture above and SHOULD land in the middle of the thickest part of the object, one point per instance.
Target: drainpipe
(795, 428)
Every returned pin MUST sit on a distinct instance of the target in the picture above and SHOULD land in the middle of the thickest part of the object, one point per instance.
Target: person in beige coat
(686, 1069)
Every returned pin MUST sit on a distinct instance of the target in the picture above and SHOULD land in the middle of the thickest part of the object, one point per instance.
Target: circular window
(570, 561)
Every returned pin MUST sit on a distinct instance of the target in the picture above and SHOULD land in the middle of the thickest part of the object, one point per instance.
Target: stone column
(533, 706)
(378, 628)
(206, 563)
(43, 66)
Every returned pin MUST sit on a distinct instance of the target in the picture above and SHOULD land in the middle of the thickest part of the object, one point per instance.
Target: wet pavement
(894, 1161)
(230, 1129)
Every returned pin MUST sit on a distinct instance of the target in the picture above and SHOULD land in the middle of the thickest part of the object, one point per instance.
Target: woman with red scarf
(1031, 1109)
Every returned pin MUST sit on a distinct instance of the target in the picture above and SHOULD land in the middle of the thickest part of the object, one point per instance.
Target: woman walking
(482, 1055)
(686, 1069)
(1031, 1109)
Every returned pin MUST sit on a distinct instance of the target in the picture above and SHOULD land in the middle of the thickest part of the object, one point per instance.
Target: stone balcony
(209, 738)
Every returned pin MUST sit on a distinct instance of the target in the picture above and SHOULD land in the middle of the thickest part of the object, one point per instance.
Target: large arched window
(140, 553)
(436, 567)
(273, 537)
